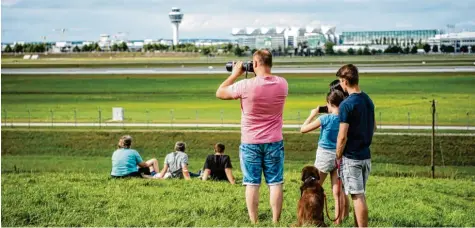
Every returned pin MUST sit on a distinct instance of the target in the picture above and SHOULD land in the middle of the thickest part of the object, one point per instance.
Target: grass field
(60, 178)
(190, 98)
(142, 60)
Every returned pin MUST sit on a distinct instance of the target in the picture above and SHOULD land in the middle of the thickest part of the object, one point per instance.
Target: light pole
(44, 42)
(452, 26)
(62, 31)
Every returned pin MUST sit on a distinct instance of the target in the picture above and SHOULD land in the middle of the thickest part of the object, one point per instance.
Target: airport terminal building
(401, 37)
(284, 37)
(456, 40)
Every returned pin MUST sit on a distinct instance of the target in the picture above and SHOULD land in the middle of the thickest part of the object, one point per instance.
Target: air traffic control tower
(176, 16)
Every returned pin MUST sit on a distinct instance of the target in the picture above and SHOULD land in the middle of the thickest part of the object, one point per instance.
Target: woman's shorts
(325, 160)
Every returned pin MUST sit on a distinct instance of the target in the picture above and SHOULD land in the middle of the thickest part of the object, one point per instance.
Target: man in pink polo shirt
(262, 147)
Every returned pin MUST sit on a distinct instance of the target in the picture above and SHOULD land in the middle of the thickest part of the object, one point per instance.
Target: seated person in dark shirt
(218, 166)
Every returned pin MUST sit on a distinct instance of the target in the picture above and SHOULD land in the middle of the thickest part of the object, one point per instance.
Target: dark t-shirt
(217, 164)
(358, 111)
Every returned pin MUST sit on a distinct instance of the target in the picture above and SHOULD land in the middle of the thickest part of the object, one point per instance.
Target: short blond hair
(125, 141)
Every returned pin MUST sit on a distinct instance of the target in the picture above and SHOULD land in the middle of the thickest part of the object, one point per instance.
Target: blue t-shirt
(124, 162)
(328, 131)
(358, 111)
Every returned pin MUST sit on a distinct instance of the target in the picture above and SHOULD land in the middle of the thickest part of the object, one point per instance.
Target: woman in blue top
(325, 160)
(126, 161)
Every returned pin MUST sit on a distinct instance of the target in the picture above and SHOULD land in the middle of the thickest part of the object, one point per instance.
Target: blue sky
(29, 20)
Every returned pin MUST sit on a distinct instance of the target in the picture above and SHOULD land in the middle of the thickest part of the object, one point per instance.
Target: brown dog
(310, 207)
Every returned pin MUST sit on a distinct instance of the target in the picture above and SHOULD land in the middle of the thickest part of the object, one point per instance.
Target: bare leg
(276, 198)
(339, 196)
(252, 201)
(153, 165)
(347, 204)
(323, 176)
(361, 210)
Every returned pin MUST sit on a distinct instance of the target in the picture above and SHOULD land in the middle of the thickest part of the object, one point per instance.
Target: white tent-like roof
(324, 29)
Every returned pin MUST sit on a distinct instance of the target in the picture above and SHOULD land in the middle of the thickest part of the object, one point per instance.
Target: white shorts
(325, 160)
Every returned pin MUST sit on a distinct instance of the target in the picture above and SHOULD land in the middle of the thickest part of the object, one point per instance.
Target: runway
(212, 70)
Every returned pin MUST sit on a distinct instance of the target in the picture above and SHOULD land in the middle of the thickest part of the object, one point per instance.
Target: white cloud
(10, 2)
(30, 19)
(403, 25)
(200, 22)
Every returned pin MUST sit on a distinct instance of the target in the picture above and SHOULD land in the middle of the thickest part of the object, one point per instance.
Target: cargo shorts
(354, 174)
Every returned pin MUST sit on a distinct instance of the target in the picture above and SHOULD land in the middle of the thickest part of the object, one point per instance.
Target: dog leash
(338, 165)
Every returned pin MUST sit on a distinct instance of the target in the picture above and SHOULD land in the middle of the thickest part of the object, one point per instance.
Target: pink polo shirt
(262, 105)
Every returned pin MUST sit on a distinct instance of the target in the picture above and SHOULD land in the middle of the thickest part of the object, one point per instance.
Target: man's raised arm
(224, 91)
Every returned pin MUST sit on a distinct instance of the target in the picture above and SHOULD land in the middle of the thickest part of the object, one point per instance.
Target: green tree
(76, 49)
(115, 47)
(374, 52)
(206, 51)
(472, 49)
(238, 51)
(414, 49)
(450, 49)
(435, 48)
(86, 48)
(340, 52)
(443, 48)
(329, 48)
(464, 49)
(359, 52)
(407, 49)
(279, 51)
(426, 48)
(228, 48)
(351, 51)
(8, 49)
(123, 47)
(95, 47)
(253, 51)
(366, 51)
(17, 48)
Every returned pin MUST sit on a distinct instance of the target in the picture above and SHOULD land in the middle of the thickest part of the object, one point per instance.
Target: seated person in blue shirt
(127, 162)
(218, 166)
(325, 160)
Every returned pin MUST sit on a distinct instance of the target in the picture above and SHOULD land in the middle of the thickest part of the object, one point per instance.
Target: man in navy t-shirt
(357, 125)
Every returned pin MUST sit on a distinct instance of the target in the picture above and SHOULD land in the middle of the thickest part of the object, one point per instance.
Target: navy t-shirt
(358, 111)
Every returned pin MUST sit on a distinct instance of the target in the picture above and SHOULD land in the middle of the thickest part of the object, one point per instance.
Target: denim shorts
(354, 174)
(258, 158)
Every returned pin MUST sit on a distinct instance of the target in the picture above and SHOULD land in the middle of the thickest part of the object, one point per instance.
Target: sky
(32, 20)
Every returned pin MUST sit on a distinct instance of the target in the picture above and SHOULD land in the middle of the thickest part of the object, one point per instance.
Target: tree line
(302, 49)
(396, 49)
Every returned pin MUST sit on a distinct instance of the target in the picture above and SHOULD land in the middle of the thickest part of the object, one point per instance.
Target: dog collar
(309, 179)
